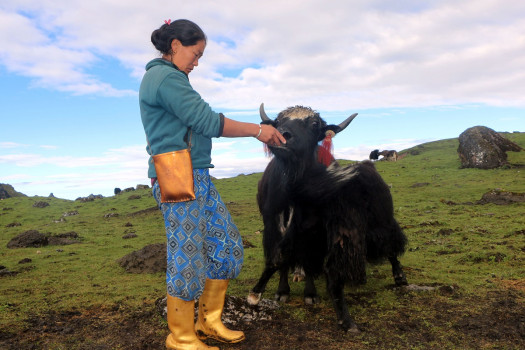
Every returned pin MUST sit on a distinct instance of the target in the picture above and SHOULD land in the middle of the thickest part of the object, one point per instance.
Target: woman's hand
(264, 133)
(270, 135)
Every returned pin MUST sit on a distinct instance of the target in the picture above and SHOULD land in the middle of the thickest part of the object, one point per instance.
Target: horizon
(415, 72)
(239, 174)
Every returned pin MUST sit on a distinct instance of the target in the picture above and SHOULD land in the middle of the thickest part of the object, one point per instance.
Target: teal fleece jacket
(168, 107)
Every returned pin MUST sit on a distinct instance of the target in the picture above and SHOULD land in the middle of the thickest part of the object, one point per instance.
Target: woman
(204, 245)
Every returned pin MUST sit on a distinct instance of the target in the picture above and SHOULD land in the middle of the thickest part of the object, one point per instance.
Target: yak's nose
(286, 135)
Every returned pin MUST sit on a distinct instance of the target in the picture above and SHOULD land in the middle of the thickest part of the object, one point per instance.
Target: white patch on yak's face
(297, 113)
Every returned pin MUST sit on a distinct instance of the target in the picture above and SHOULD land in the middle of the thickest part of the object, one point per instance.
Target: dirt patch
(34, 238)
(150, 259)
(147, 212)
(495, 197)
(502, 197)
(499, 325)
(518, 284)
(503, 320)
(236, 310)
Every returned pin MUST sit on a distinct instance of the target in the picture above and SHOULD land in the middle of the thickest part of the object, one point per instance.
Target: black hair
(187, 32)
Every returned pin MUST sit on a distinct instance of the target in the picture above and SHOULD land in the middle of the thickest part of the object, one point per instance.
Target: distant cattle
(374, 155)
(389, 155)
(324, 218)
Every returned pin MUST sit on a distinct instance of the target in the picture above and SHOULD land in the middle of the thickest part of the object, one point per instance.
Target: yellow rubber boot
(209, 323)
(180, 322)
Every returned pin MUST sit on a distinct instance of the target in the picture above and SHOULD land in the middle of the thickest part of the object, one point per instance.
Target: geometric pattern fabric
(202, 240)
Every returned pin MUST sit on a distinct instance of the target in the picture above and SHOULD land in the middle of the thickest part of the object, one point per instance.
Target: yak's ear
(338, 128)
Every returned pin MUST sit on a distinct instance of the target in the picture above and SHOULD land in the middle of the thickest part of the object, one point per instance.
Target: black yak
(321, 216)
(374, 155)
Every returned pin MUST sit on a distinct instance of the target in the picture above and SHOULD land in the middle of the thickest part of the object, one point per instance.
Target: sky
(415, 71)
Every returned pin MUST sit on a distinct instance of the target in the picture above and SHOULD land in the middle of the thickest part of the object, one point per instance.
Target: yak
(323, 217)
(374, 155)
(390, 155)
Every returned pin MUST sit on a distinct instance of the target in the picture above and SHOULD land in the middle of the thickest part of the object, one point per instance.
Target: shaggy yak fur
(325, 219)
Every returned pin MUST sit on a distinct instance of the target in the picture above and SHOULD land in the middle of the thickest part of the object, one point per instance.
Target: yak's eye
(315, 124)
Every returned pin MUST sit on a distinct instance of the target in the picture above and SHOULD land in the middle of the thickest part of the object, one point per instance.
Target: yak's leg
(310, 292)
(335, 288)
(283, 290)
(399, 276)
(255, 295)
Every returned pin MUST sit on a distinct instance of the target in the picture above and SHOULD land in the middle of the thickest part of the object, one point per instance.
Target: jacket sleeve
(176, 95)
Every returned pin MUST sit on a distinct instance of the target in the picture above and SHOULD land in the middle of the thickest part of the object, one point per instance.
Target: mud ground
(439, 324)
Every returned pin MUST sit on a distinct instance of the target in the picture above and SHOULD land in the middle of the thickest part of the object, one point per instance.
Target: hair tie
(168, 22)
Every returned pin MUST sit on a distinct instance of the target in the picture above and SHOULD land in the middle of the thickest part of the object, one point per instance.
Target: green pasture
(455, 244)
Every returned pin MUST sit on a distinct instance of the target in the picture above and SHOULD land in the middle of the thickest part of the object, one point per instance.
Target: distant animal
(374, 155)
(324, 218)
(389, 155)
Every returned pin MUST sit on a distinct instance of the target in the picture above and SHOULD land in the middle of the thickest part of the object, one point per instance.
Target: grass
(453, 242)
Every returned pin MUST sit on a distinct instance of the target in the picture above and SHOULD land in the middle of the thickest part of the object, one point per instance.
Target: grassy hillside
(474, 254)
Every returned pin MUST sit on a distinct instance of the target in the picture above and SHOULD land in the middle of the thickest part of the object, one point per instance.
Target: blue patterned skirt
(202, 240)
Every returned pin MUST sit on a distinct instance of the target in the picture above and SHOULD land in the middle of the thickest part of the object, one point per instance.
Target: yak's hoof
(254, 298)
(283, 298)
(400, 280)
(312, 300)
(348, 326)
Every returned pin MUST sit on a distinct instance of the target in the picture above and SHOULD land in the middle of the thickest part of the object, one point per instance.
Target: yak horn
(345, 123)
(264, 117)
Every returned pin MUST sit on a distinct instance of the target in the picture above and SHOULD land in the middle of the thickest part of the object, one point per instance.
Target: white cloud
(11, 145)
(71, 177)
(334, 55)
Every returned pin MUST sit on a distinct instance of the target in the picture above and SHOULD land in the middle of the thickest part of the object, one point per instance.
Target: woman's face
(187, 57)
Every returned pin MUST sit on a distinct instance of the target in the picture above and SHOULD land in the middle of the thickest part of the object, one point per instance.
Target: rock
(150, 259)
(501, 197)
(40, 204)
(89, 198)
(64, 238)
(5, 272)
(483, 148)
(31, 238)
